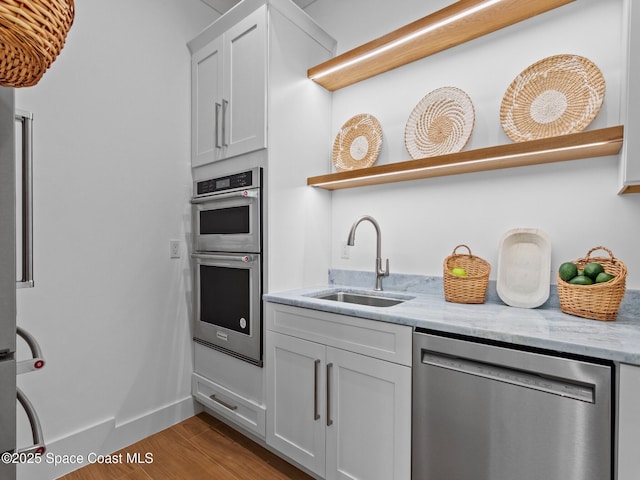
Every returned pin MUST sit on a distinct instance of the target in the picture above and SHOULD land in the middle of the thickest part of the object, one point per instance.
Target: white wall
(423, 220)
(112, 182)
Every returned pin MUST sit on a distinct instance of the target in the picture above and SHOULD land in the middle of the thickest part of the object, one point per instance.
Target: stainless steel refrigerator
(7, 280)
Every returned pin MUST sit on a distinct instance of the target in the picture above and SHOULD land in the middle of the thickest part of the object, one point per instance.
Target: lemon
(459, 272)
(567, 271)
(592, 270)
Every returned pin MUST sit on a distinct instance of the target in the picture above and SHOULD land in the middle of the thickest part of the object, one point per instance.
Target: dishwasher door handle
(514, 376)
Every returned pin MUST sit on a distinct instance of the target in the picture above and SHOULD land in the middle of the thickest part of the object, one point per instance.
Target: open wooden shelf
(630, 189)
(588, 144)
(453, 25)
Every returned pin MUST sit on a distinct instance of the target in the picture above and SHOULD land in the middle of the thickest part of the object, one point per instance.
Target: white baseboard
(80, 448)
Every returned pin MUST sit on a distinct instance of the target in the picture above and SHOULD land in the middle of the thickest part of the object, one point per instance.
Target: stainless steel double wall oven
(227, 262)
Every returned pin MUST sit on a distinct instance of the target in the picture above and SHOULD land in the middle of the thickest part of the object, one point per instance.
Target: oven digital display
(224, 183)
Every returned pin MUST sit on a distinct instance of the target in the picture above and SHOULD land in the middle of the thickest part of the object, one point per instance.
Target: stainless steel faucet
(351, 241)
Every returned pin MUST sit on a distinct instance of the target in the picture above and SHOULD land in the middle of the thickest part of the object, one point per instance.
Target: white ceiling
(221, 6)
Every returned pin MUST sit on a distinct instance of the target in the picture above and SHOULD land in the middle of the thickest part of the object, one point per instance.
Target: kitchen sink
(361, 299)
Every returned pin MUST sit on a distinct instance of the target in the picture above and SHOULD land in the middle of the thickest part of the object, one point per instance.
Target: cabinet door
(369, 417)
(628, 422)
(244, 96)
(206, 106)
(630, 163)
(295, 400)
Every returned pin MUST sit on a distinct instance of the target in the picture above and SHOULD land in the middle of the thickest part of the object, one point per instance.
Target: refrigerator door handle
(37, 360)
(38, 446)
(26, 119)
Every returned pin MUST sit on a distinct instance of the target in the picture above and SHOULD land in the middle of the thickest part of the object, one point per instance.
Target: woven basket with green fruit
(592, 287)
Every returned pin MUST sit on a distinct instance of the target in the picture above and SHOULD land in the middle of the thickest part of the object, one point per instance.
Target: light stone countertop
(544, 327)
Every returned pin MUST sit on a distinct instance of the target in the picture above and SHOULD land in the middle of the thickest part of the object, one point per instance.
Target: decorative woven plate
(441, 123)
(358, 143)
(555, 96)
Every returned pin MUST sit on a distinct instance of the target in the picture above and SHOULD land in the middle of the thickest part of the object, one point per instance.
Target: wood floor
(199, 448)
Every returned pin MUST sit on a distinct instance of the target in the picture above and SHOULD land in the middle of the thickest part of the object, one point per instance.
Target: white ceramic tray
(524, 268)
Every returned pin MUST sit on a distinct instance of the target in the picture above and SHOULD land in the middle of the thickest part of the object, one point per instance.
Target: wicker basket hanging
(32, 34)
(471, 288)
(600, 301)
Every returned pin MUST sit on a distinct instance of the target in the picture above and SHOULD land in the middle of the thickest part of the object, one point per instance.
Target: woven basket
(599, 301)
(555, 96)
(469, 289)
(32, 35)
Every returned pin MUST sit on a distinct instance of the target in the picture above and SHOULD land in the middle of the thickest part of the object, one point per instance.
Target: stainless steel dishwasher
(490, 411)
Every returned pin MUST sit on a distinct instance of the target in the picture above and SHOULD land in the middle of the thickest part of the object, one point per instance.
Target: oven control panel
(230, 182)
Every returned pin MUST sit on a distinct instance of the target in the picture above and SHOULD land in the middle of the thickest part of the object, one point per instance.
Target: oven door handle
(249, 193)
(229, 258)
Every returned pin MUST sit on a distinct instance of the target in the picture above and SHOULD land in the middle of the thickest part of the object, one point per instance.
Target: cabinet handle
(329, 420)
(225, 104)
(223, 403)
(217, 125)
(316, 414)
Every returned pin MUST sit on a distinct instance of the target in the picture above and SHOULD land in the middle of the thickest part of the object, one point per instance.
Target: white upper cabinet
(244, 96)
(630, 166)
(228, 92)
(206, 72)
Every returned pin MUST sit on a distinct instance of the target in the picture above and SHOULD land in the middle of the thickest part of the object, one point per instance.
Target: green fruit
(459, 272)
(592, 270)
(567, 271)
(604, 277)
(581, 280)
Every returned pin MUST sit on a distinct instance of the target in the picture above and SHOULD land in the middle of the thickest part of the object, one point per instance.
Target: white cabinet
(628, 422)
(295, 375)
(228, 92)
(331, 406)
(231, 388)
(630, 160)
(206, 81)
(232, 51)
(369, 412)
(256, 58)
